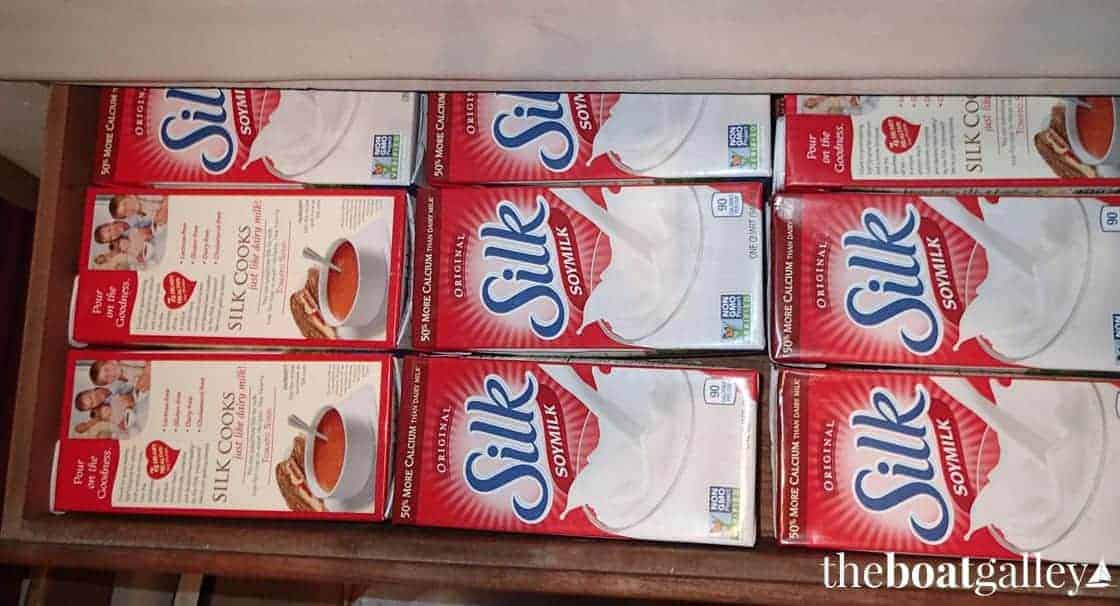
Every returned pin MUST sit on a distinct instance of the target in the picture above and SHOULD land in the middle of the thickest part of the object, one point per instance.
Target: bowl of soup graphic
(340, 463)
(353, 294)
(1094, 129)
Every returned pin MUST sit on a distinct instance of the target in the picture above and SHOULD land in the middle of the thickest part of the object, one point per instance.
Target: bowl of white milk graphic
(645, 421)
(656, 240)
(306, 132)
(1054, 489)
(644, 131)
(686, 136)
(1048, 295)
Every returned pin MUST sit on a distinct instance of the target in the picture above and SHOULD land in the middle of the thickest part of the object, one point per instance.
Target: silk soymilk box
(955, 465)
(535, 137)
(630, 269)
(597, 450)
(226, 434)
(977, 144)
(303, 268)
(947, 281)
(256, 137)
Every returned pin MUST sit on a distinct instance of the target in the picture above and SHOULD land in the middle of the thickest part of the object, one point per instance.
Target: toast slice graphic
(292, 480)
(1053, 146)
(305, 310)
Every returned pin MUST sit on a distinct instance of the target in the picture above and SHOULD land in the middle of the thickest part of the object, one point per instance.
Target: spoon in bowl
(1079, 102)
(314, 256)
(298, 423)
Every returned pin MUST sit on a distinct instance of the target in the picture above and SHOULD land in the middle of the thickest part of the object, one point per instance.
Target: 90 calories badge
(727, 204)
(1110, 218)
(719, 391)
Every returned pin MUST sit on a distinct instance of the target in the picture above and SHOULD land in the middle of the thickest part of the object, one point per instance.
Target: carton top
(257, 137)
(542, 446)
(151, 259)
(579, 137)
(961, 144)
(603, 268)
(999, 472)
(978, 282)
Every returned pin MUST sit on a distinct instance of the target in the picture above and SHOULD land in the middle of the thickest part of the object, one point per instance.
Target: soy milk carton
(256, 137)
(597, 450)
(630, 269)
(320, 268)
(1024, 282)
(972, 465)
(535, 137)
(269, 435)
(955, 144)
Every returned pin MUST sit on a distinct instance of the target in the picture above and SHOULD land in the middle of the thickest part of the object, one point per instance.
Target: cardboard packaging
(631, 270)
(577, 137)
(256, 137)
(242, 268)
(980, 466)
(595, 450)
(212, 434)
(954, 282)
(962, 145)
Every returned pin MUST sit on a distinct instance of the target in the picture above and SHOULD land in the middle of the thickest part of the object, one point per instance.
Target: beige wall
(23, 106)
(861, 46)
(764, 45)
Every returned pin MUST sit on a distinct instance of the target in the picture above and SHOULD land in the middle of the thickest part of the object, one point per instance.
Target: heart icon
(160, 458)
(177, 290)
(900, 134)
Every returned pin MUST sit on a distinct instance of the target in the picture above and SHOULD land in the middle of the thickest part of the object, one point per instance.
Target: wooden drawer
(330, 551)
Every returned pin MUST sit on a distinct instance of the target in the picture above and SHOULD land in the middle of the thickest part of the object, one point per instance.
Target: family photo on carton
(300, 435)
(225, 265)
(110, 398)
(129, 232)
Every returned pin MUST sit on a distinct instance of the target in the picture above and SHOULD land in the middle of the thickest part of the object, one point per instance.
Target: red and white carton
(598, 450)
(955, 282)
(477, 138)
(256, 137)
(963, 145)
(988, 466)
(592, 268)
(218, 434)
(242, 268)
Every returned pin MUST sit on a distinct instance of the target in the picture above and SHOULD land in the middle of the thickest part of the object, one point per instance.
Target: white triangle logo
(1101, 578)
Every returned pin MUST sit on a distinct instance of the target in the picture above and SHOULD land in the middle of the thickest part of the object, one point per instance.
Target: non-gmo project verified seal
(1116, 336)
(723, 511)
(742, 145)
(386, 156)
(733, 311)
